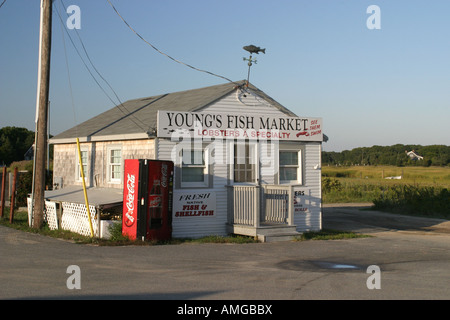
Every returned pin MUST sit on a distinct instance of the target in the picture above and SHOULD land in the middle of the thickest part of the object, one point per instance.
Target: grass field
(421, 190)
(418, 176)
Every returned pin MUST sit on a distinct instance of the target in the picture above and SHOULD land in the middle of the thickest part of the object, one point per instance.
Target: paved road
(414, 263)
(360, 218)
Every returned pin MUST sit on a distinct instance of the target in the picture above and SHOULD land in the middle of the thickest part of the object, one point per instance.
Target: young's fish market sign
(237, 126)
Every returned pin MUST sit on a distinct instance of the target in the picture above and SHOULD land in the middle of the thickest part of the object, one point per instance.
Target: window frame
(86, 164)
(205, 165)
(299, 166)
(252, 154)
(111, 165)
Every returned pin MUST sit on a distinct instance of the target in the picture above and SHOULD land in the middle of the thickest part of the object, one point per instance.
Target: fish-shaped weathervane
(254, 49)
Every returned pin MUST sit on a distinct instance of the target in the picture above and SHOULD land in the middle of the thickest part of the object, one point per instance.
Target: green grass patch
(20, 222)
(329, 234)
(221, 239)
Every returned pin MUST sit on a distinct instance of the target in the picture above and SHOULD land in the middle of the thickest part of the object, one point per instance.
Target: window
(194, 168)
(290, 170)
(84, 161)
(115, 165)
(244, 162)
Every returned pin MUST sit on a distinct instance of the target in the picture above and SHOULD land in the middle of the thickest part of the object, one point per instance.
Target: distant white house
(260, 162)
(412, 154)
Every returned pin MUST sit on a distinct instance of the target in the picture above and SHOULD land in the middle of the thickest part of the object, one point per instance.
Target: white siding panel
(195, 227)
(311, 221)
(268, 162)
(235, 102)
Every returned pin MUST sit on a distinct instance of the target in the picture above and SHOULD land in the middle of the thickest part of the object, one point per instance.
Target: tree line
(14, 143)
(396, 155)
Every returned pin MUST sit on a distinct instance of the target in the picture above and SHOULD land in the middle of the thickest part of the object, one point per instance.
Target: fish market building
(243, 163)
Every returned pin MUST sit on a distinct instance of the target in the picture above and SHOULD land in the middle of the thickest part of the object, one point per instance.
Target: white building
(252, 164)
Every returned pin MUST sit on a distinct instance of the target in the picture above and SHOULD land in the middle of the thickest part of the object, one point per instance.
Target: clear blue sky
(371, 87)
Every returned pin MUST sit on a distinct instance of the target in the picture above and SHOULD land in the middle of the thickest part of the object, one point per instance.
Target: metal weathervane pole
(252, 49)
(250, 63)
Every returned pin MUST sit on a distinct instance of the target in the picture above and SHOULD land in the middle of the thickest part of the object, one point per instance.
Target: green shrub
(329, 185)
(115, 231)
(409, 199)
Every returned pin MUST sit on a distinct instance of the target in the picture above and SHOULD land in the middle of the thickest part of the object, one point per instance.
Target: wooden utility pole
(13, 197)
(45, 39)
(2, 196)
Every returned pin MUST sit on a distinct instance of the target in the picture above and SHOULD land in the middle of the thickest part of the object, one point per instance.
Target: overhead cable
(119, 105)
(165, 54)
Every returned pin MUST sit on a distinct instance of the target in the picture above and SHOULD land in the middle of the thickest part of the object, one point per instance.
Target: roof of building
(136, 119)
(96, 196)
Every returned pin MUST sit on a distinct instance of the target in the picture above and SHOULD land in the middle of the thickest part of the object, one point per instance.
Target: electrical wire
(2, 3)
(119, 105)
(164, 54)
(93, 66)
(68, 76)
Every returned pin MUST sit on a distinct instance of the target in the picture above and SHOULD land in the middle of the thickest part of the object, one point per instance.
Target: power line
(68, 76)
(159, 51)
(2, 3)
(120, 105)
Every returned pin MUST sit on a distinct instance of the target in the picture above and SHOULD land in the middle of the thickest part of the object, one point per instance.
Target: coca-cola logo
(154, 201)
(129, 218)
(164, 175)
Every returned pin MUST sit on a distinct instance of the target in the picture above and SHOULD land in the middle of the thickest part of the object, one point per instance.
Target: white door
(245, 162)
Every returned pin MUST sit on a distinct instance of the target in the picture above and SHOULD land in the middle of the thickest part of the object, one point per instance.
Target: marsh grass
(422, 191)
(422, 176)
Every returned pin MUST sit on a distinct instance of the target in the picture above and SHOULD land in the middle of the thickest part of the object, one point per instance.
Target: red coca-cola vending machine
(147, 199)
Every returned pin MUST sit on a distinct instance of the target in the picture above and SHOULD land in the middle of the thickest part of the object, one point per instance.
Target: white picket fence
(50, 214)
(74, 217)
